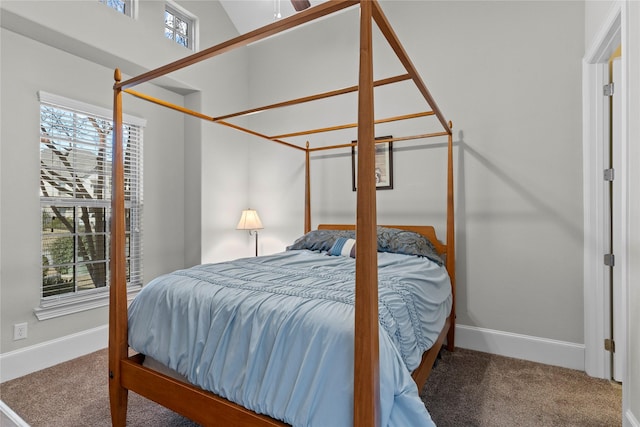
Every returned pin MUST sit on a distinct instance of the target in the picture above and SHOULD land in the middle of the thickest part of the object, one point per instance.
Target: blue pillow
(344, 247)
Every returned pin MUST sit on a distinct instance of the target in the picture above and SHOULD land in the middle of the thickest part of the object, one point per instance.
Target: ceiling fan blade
(299, 5)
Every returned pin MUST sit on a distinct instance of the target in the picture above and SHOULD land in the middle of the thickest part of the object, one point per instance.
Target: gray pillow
(406, 242)
(320, 240)
(391, 240)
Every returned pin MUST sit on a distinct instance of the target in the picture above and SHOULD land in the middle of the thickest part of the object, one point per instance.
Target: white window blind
(75, 203)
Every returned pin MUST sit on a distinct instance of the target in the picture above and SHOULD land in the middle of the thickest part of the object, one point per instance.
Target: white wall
(70, 48)
(507, 75)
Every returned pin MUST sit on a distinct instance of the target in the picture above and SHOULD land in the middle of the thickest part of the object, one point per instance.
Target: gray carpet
(466, 388)
(469, 388)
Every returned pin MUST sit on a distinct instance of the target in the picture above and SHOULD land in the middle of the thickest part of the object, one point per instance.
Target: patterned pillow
(320, 240)
(389, 240)
(343, 247)
(406, 242)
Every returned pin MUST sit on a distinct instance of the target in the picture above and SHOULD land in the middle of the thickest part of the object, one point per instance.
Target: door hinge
(610, 260)
(609, 174)
(610, 345)
(608, 89)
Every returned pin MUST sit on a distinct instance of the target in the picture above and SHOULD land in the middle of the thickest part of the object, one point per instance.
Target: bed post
(451, 241)
(366, 411)
(307, 192)
(118, 347)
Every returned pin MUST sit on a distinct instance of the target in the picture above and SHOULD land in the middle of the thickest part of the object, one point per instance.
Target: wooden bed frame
(127, 372)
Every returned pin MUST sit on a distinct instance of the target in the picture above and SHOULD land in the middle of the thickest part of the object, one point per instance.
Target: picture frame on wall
(383, 164)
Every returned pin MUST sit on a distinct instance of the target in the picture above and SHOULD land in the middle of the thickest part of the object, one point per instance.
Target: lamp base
(256, 233)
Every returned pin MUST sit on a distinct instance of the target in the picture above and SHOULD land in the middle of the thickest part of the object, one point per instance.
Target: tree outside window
(75, 174)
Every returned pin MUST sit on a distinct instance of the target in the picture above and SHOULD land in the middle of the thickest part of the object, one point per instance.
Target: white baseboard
(551, 352)
(534, 349)
(630, 420)
(27, 360)
(14, 418)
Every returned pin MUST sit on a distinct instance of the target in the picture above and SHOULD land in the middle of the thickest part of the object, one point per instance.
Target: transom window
(75, 199)
(123, 6)
(179, 26)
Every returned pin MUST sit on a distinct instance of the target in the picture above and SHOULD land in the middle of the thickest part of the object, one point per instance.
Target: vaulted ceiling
(248, 15)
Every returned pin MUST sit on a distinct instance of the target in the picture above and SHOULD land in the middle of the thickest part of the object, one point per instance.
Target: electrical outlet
(19, 331)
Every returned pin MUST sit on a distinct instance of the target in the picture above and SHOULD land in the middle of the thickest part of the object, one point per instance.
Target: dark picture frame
(384, 164)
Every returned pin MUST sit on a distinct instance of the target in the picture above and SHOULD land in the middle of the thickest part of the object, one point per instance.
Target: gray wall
(27, 67)
(595, 13)
(70, 48)
(505, 73)
(508, 75)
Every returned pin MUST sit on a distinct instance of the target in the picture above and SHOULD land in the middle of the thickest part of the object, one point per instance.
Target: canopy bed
(380, 268)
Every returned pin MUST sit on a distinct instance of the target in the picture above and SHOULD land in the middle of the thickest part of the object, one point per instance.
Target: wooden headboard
(426, 230)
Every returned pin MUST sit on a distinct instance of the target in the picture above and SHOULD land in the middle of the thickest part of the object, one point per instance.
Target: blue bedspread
(275, 333)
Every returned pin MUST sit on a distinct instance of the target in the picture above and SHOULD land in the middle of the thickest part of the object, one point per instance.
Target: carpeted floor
(467, 388)
(75, 394)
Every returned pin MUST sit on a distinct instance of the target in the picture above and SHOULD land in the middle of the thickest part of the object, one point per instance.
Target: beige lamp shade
(249, 220)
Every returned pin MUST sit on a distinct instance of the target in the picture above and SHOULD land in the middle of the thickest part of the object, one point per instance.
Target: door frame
(597, 299)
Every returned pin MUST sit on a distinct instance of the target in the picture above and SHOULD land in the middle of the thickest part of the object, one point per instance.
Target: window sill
(61, 307)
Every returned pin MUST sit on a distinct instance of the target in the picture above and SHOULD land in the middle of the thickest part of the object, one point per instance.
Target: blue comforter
(275, 333)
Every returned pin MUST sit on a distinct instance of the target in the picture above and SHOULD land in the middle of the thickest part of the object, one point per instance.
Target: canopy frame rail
(354, 125)
(382, 141)
(316, 97)
(278, 138)
(208, 118)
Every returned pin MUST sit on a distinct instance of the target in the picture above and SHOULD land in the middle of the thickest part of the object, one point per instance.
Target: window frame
(192, 21)
(63, 304)
(130, 7)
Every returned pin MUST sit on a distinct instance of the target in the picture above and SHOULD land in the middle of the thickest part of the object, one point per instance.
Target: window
(75, 202)
(123, 6)
(179, 25)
